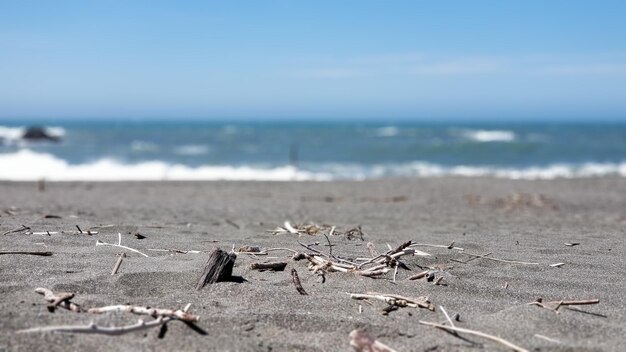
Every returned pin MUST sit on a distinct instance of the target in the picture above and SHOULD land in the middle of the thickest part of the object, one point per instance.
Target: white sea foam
(141, 146)
(13, 135)
(389, 131)
(489, 135)
(26, 165)
(192, 149)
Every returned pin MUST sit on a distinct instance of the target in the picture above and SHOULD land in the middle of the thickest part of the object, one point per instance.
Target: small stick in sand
(119, 244)
(118, 263)
(476, 333)
(555, 305)
(19, 229)
(45, 254)
(395, 300)
(362, 342)
(219, 267)
(273, 266)
(297, 283)
(547, 338)
(153, 312)
(419, 275)
(499, 260)
(95, 329)
(232, 223)
(450, 246)
(58, 300)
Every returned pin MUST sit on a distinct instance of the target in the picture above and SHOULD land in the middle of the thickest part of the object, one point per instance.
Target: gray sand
(517, 220)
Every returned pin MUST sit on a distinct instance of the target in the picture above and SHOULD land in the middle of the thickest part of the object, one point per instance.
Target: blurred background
(311, 90)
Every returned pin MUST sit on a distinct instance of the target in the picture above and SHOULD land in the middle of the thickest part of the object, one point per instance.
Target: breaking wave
(489, 135)
(26, 165)
(13, 135)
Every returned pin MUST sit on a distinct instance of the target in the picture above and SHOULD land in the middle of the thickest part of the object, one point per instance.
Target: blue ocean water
(194, 150)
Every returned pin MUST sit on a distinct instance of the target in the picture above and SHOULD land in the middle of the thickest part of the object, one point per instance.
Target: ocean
(321, 151)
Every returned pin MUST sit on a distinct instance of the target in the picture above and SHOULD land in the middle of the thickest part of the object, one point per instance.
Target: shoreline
(516, 220)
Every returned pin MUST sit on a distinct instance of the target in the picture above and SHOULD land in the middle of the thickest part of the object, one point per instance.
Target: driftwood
(119, 244)
(219, 267)
(45, 254)
(58, 300)
(118, 263)
(362, 342)
(395, 300)
(555, 305)
(153, 312)
(19, 229)
(297, 283)
(274, 266)
(95, 329)
(475, 333)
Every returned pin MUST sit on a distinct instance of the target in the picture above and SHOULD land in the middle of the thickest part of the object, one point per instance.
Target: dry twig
(476, 333)
(118, 263)
(274, 266)
(119, 244)
(153, 312)
(59, 300)
(45, 254)
(297, 283)
(362, 342)
(95, 329)
(19, 229)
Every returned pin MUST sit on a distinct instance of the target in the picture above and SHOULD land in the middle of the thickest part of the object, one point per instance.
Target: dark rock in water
(36, 133)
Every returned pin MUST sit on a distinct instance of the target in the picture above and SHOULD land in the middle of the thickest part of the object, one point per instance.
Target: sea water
(200, 150)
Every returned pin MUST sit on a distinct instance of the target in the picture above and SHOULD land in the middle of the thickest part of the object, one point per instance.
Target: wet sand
(526, 221)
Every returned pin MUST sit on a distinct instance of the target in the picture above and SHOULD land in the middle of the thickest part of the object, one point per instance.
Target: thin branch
(476, 333)
(362, 342)
(95, 329)
(19, 229)
(153, 312)
(297, 283)
(118, 263)
(499, 260)
(436, 246)
(46, 254)
(100, 243)
(58, 300)
(447, 316)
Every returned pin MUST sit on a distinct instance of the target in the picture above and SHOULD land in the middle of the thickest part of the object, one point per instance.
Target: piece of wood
(45, 254)
(118, 263)
(274, 266)
(95, 329)
(153, 312)
(476, 333)
(297, 283)
(19, 229)
(59, 300)
(362, 342)
(219, 267)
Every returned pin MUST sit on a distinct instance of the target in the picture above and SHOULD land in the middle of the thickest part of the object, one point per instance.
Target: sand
(517, 220)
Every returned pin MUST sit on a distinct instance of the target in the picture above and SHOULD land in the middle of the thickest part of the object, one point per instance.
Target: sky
(336, 59)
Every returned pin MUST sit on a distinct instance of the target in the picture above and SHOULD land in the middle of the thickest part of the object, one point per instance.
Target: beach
(579, 224)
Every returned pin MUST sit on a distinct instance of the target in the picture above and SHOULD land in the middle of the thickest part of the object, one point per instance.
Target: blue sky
(313, 59)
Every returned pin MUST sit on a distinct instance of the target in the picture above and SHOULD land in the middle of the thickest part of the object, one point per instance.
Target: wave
(192, 150)
(26, 165)
(389, 131)
(489, 135)
(13, 135)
